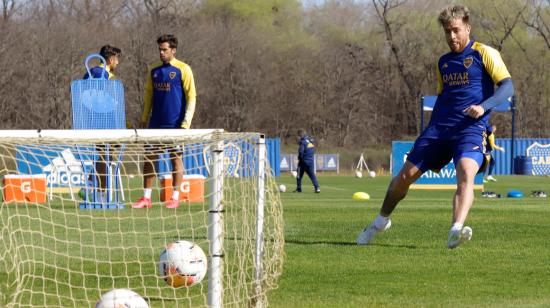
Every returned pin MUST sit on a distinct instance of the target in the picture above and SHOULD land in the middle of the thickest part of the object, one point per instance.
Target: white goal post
(68, 232)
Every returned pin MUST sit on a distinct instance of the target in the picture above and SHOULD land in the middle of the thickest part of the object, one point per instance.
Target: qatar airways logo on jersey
(162, 86)
(456, 79)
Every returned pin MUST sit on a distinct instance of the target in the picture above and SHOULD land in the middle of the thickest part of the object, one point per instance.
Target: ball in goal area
(61, 250)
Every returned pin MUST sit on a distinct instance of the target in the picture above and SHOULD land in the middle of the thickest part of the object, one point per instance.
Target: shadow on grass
(336, 243)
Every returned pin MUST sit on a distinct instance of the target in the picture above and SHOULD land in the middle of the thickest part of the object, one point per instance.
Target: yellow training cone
(361, 196)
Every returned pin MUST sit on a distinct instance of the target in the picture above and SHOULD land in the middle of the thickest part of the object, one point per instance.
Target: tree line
(350, 72)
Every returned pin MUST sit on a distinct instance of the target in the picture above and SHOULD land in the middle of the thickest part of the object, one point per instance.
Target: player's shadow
(300, 242)
(341, 243)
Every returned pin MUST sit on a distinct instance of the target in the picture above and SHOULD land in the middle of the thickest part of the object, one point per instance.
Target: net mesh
(56, 252)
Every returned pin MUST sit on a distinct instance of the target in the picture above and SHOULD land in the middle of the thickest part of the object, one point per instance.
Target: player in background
(491, 145)
(111, 55)
(466, 77)
(170, 100)
(306, 161)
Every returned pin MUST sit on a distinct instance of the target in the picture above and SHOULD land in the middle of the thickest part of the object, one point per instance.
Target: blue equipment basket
(98, 103)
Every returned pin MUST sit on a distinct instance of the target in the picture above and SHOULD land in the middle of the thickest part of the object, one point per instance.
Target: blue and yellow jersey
(491, 145)
(97, 70)
(306, 150)
(464, 79)
(170, 95)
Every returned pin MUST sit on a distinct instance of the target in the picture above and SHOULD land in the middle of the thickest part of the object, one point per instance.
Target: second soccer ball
(182, 264)
(121, 298)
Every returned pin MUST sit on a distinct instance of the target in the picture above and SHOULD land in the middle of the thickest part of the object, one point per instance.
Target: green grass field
(507, 262)
(57, 255)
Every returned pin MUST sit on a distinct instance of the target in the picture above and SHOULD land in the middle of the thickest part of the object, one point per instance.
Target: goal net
(69, 233)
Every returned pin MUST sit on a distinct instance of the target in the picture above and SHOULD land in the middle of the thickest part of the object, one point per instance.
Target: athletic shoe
(369, 232)
(491, 178)
(143, 203)
(317, 190)
(297, 191)
(172, 204)
(489, 194)
(539, 194)
(457, 237)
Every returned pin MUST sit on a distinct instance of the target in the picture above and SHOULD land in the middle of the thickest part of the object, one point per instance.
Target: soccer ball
(358, 174)
(121, 298)
(182, 264)
(282, 188)
(294, 173)
(372, 174)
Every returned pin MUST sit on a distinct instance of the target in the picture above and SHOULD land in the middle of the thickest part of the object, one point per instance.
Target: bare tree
(540, 21)
(500, 23)
(350, 72)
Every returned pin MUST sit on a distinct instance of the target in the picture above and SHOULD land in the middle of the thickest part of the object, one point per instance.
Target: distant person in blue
(110, 54)
(306, 161)
(491, 145)
(466, 80)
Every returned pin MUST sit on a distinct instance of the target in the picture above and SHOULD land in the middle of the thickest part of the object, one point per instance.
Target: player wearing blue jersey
(111, 55)
(466, 77)
(306, 161)
(170, 100)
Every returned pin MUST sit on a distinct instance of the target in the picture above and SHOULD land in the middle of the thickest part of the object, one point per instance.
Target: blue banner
(323, 162)
(288, 162)
(240, 158)
(539, 154)
(60, 164)
(330, 162)
(445, 179)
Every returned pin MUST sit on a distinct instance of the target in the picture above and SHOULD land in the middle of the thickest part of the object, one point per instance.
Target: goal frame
(216, 210)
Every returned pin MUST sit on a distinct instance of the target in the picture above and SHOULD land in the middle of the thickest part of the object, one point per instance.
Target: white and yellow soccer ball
(121, 298)
(182, 264)
(372, 174)
(282, 188)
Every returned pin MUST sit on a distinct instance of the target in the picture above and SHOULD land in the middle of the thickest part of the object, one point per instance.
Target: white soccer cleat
(491, 178)
(369, 232)
(458, 237)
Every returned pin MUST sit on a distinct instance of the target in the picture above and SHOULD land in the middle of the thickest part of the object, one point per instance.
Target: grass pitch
(507, 262)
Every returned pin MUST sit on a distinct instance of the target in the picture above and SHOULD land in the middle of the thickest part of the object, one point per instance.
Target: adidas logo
(65, 168)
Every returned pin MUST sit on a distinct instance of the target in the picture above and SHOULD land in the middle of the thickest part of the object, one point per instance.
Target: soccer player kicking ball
(466, 78)
(170, 99)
